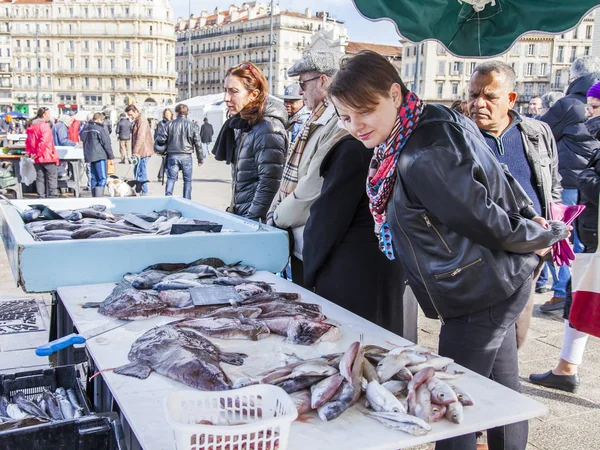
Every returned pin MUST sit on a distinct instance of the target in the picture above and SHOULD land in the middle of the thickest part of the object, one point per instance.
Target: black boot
(98, 192)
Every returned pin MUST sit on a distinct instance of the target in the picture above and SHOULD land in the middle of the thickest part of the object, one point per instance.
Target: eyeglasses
(303, 83)
(245, 66)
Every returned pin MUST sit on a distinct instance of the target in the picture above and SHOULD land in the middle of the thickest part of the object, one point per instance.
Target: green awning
(483, 29)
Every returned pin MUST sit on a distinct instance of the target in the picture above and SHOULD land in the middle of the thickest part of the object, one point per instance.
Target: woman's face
(371, 125)
(236, 94)
(593, 107)
(168, 115)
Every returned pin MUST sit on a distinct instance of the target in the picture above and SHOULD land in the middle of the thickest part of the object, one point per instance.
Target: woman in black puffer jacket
(253, 141)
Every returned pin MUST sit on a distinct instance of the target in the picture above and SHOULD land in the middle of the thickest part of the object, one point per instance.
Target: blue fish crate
(45, 266)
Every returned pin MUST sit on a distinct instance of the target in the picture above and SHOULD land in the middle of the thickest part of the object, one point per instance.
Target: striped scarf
(382, 172)
(289, 180)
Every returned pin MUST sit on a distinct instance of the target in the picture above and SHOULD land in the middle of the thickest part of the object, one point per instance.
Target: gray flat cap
(317, 61)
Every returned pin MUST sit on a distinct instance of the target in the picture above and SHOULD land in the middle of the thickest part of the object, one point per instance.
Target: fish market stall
(141, 401)
(44, 266)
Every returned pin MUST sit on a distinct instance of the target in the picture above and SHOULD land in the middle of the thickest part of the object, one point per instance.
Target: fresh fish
(176, 284)
(238, 269)
(85, 232)
(176, 298)
(52, 237)
(14, 412)
(309, 369)
(298, 383)
(214, 262)
(403, 422)
(181, 354)
(301, 400)
(167, 267)
(237, 312)
(435, 361)
(61, 225)
(441, 393)
(169, 213)
(96, 214)
(443, 375)
(437, 413)
(126, 302)
(227, 328)
(391, 365)
(304, 332)
(369, 371)
(403, 375)
(30, 215)
(269, 296)
(23, 422)
(74, 402)
(52, 405)
(463, 397)
(28, 406)
(331, 359)
(145, 279)
(454, 412)
(339, 403)
(65, 405)
(248, 290)
(107, 234)
(382, 400)
(200, 270)
(4, 405)
(420, 405)
(356, 375)
(396, 387)
(57, 233)
(419, 378)
(322, 391)
(348, 360)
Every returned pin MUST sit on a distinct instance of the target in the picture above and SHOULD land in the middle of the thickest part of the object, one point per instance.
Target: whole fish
(238, 269)
(420, 405)
(200, 270)
(52, 237)
(403, 422)
(30, 215)
(126, 302)
(298, 383)
(382, 400)
(391, 365)
(74, 402)
(443, 375)
(175, 298)
(463, 397)
(403, 375)
(106, 234)
(227, 328)
(85, 232)
(181, 354)
(310, 369)
(302, 400)
(437, 413)
(339, 403)
(305, 332)
(52, 405)
(96, 214)
(28, 406)
(65, 405)
(418, 379)
(14, 412)
(268, 296)
(435, 361)
(396, 387)
(348, 360)
(145, 279)
(237, 312)
(61, 225)
(369, 371)
(454, 412)
(176, 284)
(441, 393)
(322, 391)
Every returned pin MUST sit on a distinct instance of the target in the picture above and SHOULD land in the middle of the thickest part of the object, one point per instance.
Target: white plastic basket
(251, 418)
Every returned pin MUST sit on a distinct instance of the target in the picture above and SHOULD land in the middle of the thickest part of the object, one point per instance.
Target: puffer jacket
(142, 144)
(182, 136)
(593, 126)
(567, 120)
(96, 142)
(258, 163)
(589, 193)
(455, 220)
(39, 144)
(124, 129)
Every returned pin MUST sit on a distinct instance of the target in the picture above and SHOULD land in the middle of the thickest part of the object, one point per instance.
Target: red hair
(252, 79)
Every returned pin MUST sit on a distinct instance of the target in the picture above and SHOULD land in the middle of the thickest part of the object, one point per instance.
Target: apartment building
(95, 55)
(541, 63)
(215, 41)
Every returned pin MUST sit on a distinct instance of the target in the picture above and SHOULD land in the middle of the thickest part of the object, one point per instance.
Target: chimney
(308, 13)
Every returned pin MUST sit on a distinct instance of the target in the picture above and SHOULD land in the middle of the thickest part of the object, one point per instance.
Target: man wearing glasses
(301, 182)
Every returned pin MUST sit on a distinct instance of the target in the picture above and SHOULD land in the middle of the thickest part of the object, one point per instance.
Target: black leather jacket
(182, 137)
(455, 219)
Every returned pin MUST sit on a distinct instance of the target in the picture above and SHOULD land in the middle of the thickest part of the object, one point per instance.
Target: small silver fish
(382, 400)
(462, 395)
(302, 400)
(454, 412)
(322, 391)
(403, 422)
(441, 393)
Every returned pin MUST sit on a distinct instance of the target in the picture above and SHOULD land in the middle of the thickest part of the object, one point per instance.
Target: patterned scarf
(382, 173)
(289, 180)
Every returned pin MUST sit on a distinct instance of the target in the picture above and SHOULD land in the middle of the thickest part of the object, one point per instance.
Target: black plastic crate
(35, 382)
(94, 432)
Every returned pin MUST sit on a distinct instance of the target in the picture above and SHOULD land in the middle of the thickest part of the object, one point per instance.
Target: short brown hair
(98, 116)
(132, 108)
(252, 78)
(364, 78)
(182, 109)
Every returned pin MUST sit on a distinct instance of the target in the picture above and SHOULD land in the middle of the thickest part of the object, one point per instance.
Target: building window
(588, 32)
(557, 79)
(516, 50)
(86, 82)
(544, 49)
(441, 67)
(127, 46)
(86, 12)
(86, 64)
(573, 54)
(99, 45)
(112, 99)
(72, 82)
(575, 34)
(112, 12)
(528, 89)
(128, 83)
(127, 64)
(127, 12)
(71, 63)
(99, 64)
(150, 66)
(149, 12)
(541, 89)
(543, 69)
(531, 50)
(454, 88)
(149, 46)
(71, 12)
(586, 51)
(99, 11)
(112, 64)
(151, 35)
(111, 46)
(561, 54)
(149, 83)
(49, 82)
(529, 69)
(457, 68)
(112, 83)
(440, 90)
(472, 67)
(86, 45)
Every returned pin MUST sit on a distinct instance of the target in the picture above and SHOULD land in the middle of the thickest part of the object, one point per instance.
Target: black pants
(163, 168)
(46, 173)
(485, 342)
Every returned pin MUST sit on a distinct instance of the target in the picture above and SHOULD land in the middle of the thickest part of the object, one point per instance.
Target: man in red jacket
(39, 145)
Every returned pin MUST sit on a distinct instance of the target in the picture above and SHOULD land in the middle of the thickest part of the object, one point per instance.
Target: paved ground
(572, 420)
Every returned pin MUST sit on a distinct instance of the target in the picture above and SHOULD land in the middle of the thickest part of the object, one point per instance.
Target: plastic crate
(94, 432)
(35, 382)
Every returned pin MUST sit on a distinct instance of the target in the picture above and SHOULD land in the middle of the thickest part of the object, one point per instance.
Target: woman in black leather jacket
(253, 141)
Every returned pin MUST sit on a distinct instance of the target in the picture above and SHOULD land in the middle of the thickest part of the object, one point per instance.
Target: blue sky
(359, 29)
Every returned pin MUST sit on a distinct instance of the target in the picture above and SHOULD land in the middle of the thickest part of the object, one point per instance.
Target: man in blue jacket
(60, 132)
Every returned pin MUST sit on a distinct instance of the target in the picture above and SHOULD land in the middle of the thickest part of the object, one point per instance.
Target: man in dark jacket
(97, 150)
(576, 146)
(124, 135)
(182, 138)
(60, 132)
(524, 146)
(206, 134)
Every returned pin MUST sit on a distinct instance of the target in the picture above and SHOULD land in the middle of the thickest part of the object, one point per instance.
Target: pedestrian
(74, 128)
(123, 132)
(107, 124)
(39, 146)
(524, 146)
(442, 203)
(97, 150)
(142, 145)
(567, 119)
(60, 132)
(167, 115)
(206, 135)
(460, 106)
(296, 110)
(534, 107)
(301, 181)
(548, 100)
(593, 111)
(252, 140)
(182, 138)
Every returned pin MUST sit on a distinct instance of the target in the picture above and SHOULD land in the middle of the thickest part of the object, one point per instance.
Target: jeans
(98, 174)
(485, 342)
(175, 163)
(163, 168)
(543, 278)
(46, 173)
(141, 174)
(205, 149)
(569, 197)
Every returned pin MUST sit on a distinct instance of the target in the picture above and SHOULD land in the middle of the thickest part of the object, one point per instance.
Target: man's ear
(512, 99)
